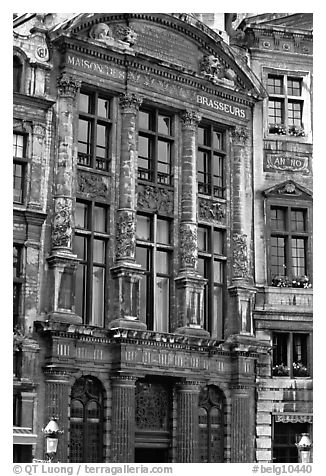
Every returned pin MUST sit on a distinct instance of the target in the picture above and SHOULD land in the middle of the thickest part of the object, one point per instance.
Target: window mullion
(285, 86)
(290, 354)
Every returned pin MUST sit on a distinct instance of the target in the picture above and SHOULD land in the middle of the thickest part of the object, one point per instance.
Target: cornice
(154, 67)
(30, 101)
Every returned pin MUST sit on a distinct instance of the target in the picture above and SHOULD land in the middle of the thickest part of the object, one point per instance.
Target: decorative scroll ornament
(127, 34)
(289, 188)
(126, 233)
(210, 211)
(293, 418)
(152, 406)
(93, 185)
(190, 118)
(62, 230)
(240, 135)
(188, 246)
(240, 256)
(130, 102)
(68, 85)
(156, 199)
(212, 68)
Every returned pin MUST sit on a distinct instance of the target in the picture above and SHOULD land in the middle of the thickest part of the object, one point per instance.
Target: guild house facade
(162, 236)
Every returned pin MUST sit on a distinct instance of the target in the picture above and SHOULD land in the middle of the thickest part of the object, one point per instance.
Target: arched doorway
(86, 421)
(211, 425)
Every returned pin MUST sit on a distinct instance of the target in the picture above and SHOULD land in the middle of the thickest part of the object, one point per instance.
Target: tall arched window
(86, 421)
(17, 74)
(211, 425)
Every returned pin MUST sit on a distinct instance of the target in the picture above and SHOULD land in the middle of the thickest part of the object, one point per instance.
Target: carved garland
(126, 236)
(240, 256)
(188, 246)
(156, 199)
(62, 230)
(93, 185)
(210, 211)
(240, 135)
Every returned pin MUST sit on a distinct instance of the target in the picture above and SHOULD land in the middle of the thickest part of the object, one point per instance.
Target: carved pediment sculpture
(215, 70)
(100, 31)
(288, 189)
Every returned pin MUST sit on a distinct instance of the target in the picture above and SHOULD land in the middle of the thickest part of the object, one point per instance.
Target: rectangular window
(155, 147)
(289, 242)
(19, 167)
(285, 437)
(18, 283)
(154, 253)
(94, 129)
(285, 105)
(91, 241)
(211, 263)
(210, 161)
(291, 354)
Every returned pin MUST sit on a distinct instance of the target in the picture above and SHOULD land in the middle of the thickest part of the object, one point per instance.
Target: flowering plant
(299, 370)
(281, 281)
(296, 131)
(301, 282)
(278, 128)
(281, 370)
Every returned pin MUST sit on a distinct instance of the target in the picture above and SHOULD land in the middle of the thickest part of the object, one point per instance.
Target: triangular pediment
(178, 41)
(288, 189)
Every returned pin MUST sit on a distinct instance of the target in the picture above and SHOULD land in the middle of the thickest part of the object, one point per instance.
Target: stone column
(241, 291)
(123, 419)
(126, 272)
(190, 285)
(57, 391)
(62, 261)
(243, 424)
(187, 421)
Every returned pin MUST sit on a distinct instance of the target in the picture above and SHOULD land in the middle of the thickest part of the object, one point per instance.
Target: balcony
(284, 299)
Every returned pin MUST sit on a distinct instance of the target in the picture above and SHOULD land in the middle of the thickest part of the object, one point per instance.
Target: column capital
(68, 85)
(240, 135)
(190, 118)
(130, 102)
(124, 380)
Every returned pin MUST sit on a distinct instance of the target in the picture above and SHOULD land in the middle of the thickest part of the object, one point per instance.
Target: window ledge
(293, 299)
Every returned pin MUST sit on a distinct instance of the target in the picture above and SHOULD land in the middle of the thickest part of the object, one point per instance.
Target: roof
(293, 21)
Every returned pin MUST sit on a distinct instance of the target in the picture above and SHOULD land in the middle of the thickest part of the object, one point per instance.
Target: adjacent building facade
(162, 236)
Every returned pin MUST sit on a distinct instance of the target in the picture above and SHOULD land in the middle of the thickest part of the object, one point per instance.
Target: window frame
(286, 131)
(210, 257)
(207, 188)
(93, 119)
(155, 136)
(23, 162)
(18, 283)
(289, 205)
(89, 235)
(288, 369)
(153, 247)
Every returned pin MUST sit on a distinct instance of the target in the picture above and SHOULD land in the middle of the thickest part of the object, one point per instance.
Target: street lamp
(51, 433)
(304, 448)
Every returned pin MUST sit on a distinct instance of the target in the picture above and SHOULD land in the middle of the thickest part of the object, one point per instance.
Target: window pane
(278, 219)
(275, 111)
(144, 120)
(294, 113)
(275, 84)
(280, 350)
(98, 296)
(84, 102)
(163, 152)
(278, 266)
(93, 410)
(99, 251)
(161, 316)
(143, 144)
(297, 220)
(300, 347)
(202, 237)
(162, 262)
(76, 409)
(202, 267)
(16, 261)
(103, 108)
(18, 183)
(143, 228)
(217, 140)
(298, 257)
(218, 272)
(164, 124)
(218, 242)
(81, 215)
(81, 247)
(203, 136)
(163, 231)
(18, 145)
(294, 87)
(99, 218)
(142, 257)
(81, 291)
(217, 315)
